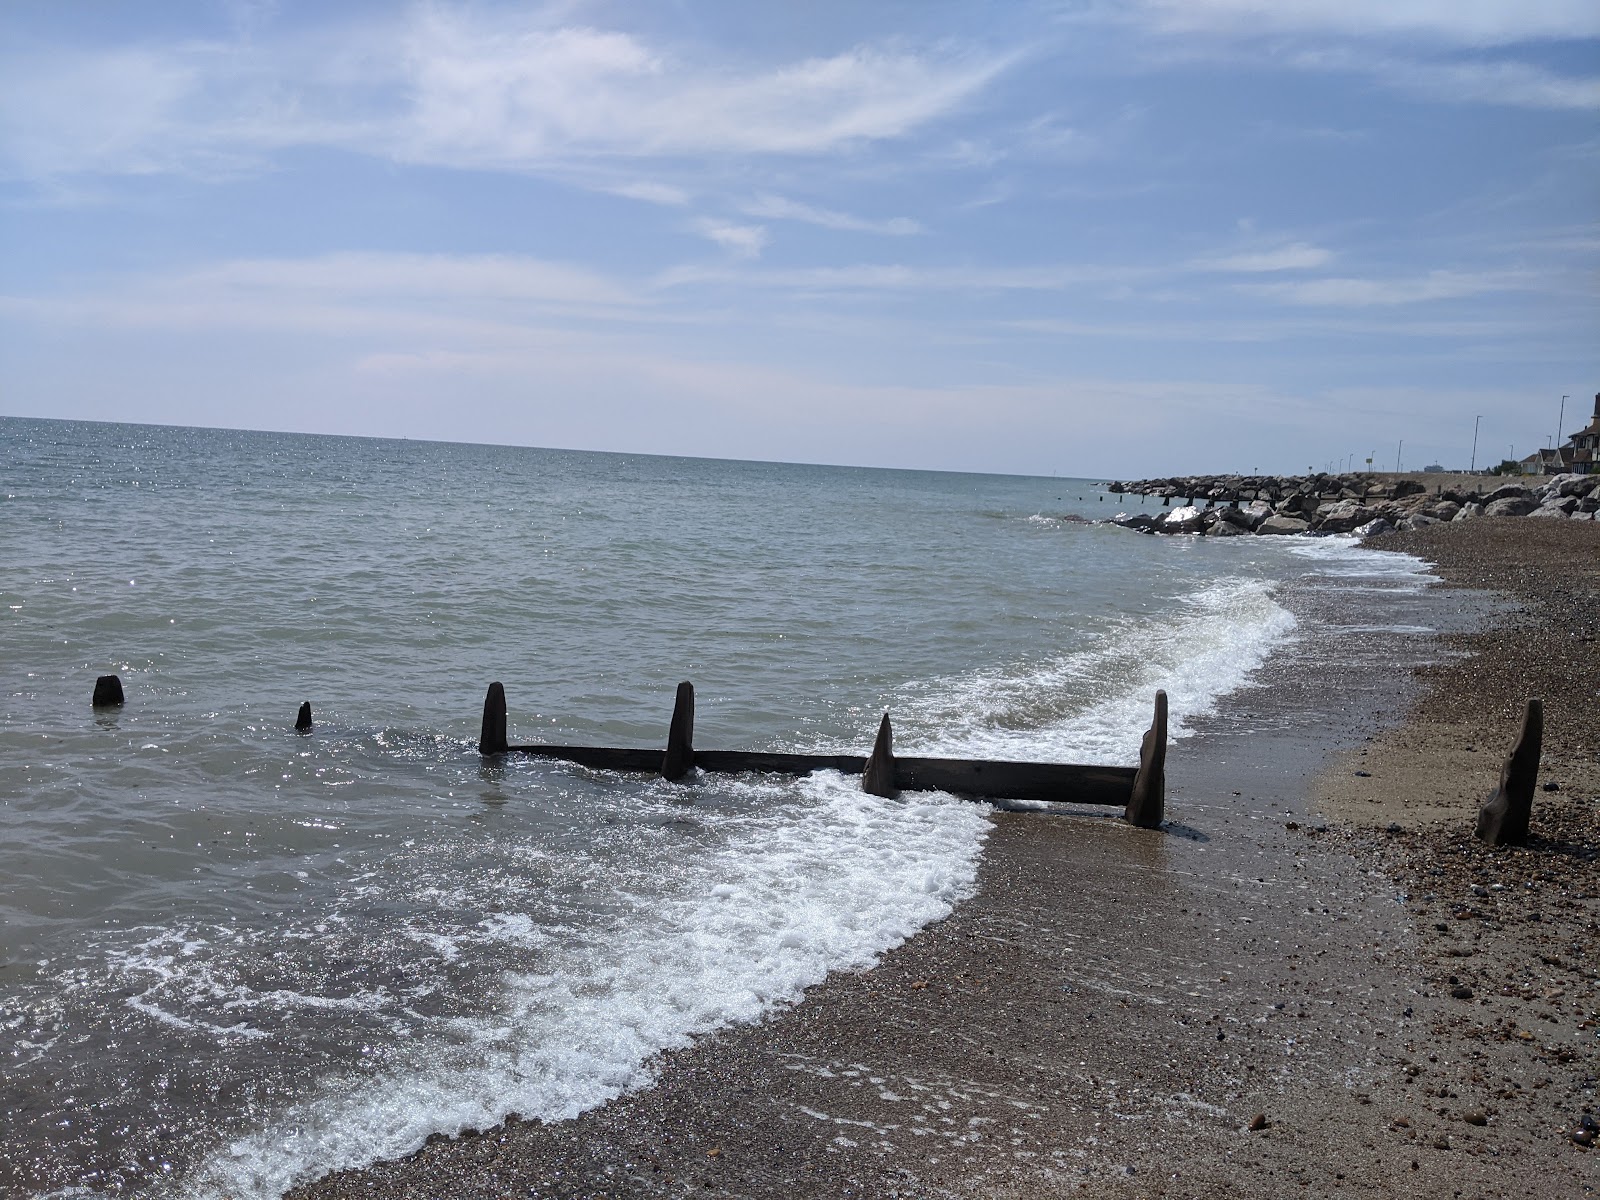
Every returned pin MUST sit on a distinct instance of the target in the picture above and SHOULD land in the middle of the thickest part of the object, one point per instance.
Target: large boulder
(1417, 521)
(1343, 517)
(1227, 529)
(1550, 510)
(1510, 506)
(1185, 519)
(1443, 510)
(1470, 511)
(1509, 491)
(1374, 528)
(1143, 522)
(1256, 512)
(1278, 523)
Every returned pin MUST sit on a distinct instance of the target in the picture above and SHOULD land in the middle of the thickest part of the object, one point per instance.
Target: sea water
(235, 957)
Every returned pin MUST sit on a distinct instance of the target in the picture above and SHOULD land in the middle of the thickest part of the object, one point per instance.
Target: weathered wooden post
(1147, 802)
(492, 738)
(878, 778)
(1503, 820)
(107, 692)
(679, 759)
(302, 720)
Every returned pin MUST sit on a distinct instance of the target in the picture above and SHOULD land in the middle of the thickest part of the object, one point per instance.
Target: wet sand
(1248, 1002)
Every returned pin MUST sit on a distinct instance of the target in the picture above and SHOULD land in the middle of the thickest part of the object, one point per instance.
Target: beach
(1255, 1000)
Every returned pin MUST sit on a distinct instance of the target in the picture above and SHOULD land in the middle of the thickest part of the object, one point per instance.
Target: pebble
(1475, 1116)
(1259, 1122)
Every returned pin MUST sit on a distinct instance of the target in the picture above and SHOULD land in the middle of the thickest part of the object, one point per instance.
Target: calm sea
(234, 957)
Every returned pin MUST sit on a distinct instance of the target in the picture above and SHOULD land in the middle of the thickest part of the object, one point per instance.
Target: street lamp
(1473, 469)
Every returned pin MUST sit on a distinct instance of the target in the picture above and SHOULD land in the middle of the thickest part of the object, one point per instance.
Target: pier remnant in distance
(107, 692)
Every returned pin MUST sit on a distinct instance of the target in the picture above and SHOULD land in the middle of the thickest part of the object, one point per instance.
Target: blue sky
(1085, 237)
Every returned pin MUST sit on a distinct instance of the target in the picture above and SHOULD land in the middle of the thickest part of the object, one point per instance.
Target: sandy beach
(1311, 982)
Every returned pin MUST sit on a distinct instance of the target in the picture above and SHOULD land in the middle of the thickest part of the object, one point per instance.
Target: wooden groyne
(1139, 791)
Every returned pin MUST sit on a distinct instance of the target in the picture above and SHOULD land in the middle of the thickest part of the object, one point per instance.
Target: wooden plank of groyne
(1068, 783)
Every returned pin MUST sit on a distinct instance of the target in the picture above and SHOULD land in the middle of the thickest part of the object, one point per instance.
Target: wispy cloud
(1472, 22)
(781, 208)
(1295, 256)
(471, 88)
(743, 241)
(1367, 293)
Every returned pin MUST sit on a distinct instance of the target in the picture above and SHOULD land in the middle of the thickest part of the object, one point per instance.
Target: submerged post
(1147, 802)
(1503, 820)
(679, 759)
(492, 739)
(878, 778)
(107, 692)
(302, 720)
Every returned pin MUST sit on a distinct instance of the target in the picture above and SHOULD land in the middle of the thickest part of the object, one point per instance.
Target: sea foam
(825, 884)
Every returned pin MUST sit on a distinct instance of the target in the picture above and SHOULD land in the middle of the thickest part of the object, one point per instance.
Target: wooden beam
(107, 692)
(1504, 818)
(1147, 800)
(878, 776)
(679, 758)
(1065, 783)
(492, 737)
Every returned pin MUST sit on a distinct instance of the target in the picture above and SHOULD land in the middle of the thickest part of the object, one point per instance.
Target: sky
(1085, 237)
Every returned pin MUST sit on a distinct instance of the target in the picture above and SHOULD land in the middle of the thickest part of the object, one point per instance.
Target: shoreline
(1115, 1007)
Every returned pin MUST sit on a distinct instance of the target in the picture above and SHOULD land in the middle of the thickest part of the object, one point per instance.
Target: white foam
(826, 883)
(1345, 557)
(1094, 705)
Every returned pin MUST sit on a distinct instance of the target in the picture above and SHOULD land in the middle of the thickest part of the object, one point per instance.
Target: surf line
(1139, 791)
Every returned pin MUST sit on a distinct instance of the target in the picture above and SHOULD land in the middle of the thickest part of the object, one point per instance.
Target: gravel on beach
(1267, 997)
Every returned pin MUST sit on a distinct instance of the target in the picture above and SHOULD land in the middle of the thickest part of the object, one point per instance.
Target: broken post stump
(1147, 802)
(107, 692)
(302, 720)
(679, 758)
(1503, 819)
(492, 738)
(878, 777)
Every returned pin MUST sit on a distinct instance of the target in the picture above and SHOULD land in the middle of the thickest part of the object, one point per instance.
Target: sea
(235, 957)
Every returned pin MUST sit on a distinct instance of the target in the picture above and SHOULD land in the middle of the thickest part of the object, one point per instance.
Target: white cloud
(1473, 22)
(899, 277)
(1296, 256)
(744, 241)
(469, 88)
(1517, 84)
(651, 193)
(1365, 293)
(781, 208)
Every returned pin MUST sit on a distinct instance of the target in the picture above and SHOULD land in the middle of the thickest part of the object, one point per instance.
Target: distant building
(1580, 453)
(1432, 469)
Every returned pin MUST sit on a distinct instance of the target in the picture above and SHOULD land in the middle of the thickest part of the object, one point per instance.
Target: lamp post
(1561, 420)
(1397, 450)
(1473, 469)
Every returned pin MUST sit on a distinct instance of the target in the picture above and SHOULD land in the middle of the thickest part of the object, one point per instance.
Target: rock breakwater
(1358, 503)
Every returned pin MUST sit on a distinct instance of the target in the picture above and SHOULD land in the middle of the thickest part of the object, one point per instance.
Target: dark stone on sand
(1475, 1116)
(1503, 820)
(302, 720)
(107, 692)
(878, 778)
(1463, 992)
(1259, 1122)
(679, 759)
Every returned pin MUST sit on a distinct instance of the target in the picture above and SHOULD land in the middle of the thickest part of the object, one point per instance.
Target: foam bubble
(825, 882)
(1094, 705)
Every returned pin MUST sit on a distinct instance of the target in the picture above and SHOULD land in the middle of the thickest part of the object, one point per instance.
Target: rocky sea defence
(1363, 504)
